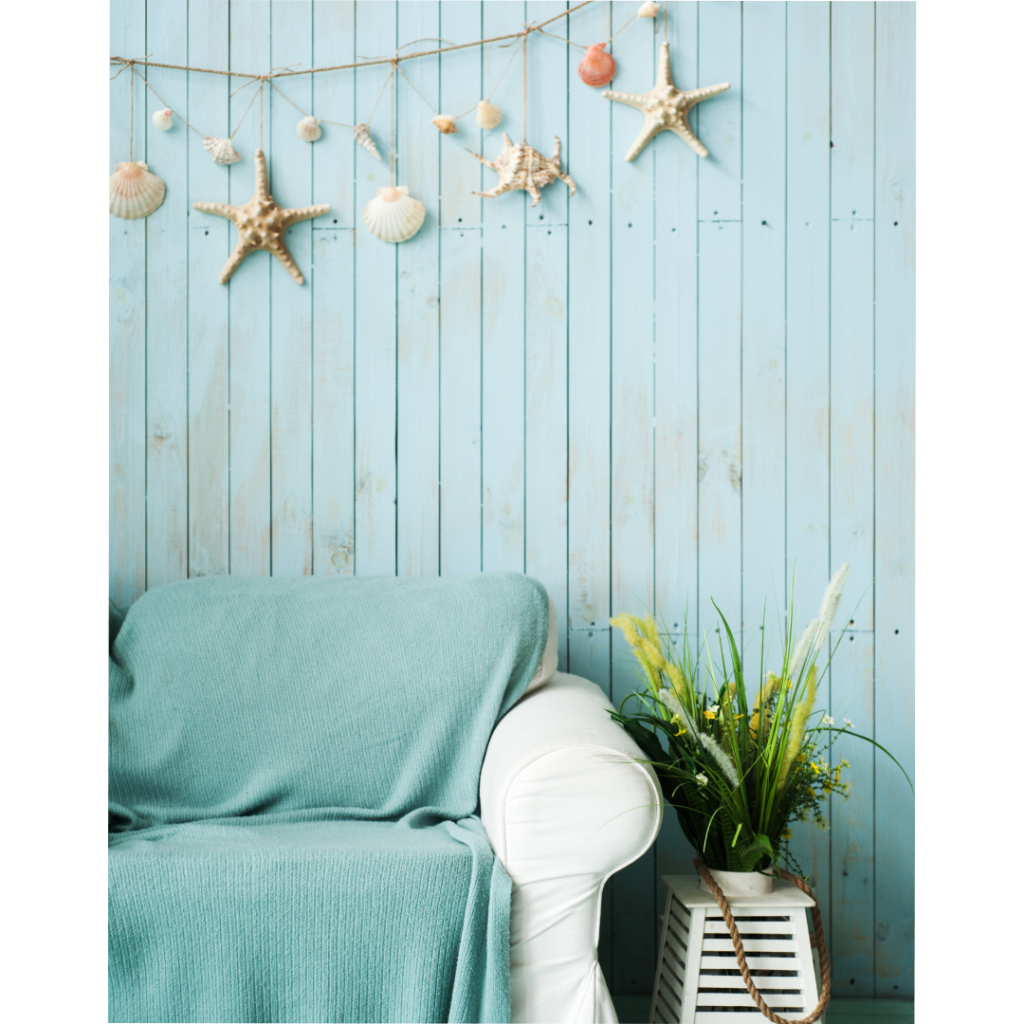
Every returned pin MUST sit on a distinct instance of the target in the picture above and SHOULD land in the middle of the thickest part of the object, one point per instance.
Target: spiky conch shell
(163, 119)
(308, 129)
(648, 10)
(445, 124)
(221, 150)
(488, 115)
(393, 215)
(134, 191)
(597, 67)
(365, 139)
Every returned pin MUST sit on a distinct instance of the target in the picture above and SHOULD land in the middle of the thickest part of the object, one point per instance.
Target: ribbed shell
(648, 10)
(488, 115)
(221, 150)
(393, 215)
(365, 139)
(597, 67)
(134, 191)
(445, 124)
(308, 129)
(163, 119)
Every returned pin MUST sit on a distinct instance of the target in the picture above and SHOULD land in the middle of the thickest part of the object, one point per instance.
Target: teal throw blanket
(294, 771)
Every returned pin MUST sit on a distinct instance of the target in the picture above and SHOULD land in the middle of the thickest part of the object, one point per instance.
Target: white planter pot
(741, 883)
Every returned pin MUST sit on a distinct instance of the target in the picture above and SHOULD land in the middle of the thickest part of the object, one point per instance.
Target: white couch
(565, 806)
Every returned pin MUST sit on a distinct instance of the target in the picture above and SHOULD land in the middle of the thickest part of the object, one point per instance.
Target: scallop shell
(597, 67)
(163, 119)
(308, 129)
(488, 115)
(648, 10)
(134, 191)
(393, 215)
(445, 124)
(221, 150)
(365, 139)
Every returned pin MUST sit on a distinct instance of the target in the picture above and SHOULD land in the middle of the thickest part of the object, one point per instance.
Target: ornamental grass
(738, 764)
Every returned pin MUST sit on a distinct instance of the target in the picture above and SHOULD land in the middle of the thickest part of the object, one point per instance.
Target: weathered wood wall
(668, 388)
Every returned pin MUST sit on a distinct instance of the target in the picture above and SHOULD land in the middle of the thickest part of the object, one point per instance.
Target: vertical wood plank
(547, 298)
(675, 388)
(589, 329)
(331, 283)
(807, 361)
(764, 324)
(375, 304)
(852, 493)
(249, 314)
(210, 240)
(632, 442)
(290, 164)
(461, 252)
(895, 217)
(128, 430)
(167, 326)
(719, 376)
(419, 143)
(504, 286)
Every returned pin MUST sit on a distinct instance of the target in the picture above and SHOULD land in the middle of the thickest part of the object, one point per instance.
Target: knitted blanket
(294, 770)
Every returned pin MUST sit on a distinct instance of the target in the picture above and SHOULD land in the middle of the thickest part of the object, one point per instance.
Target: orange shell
(597, 67)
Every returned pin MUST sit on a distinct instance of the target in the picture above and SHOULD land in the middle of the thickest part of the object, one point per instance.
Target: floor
(634, 1010)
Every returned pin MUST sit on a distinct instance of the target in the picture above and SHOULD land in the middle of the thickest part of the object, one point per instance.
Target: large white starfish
(665, 108)
(261, 224)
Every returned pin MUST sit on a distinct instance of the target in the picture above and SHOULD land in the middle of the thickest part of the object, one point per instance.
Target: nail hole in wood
(764, 223)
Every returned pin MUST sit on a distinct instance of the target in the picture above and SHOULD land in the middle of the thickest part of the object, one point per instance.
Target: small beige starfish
(261, 224)
(522, 167)
(665, 108)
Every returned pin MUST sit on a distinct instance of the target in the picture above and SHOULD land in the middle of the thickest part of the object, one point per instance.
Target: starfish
(261, 224)
(665, 107)
(522, 167)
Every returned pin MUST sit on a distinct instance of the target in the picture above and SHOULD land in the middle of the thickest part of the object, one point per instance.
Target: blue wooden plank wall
(666, 389)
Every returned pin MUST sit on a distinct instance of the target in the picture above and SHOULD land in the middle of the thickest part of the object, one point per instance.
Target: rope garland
(289, 71)
(741, 959)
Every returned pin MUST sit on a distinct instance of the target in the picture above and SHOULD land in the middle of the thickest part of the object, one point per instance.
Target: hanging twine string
(391, 78)
(487, 98)
(741, 958)
(131, 124)
(579, 46)
(357, 64)
(526, 36)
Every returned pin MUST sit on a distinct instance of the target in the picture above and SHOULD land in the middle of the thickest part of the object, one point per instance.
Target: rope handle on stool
(741, 959)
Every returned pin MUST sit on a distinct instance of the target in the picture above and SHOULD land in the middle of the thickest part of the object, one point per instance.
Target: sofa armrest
(565, 807)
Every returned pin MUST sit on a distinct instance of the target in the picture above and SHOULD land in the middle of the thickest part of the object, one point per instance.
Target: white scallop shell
(445, 124)
(134, 191)
(648, 10)
(308, 129)
(365, 139)
(163, 119)
(221, 150)
(488, 115)
(393, 215)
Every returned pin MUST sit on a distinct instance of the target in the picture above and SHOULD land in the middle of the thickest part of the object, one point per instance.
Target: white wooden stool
(698, 979)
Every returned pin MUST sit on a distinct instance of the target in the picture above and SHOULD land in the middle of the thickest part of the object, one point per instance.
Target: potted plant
(740, 760)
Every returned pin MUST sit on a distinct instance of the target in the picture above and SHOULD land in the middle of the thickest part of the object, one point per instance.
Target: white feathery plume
(829, 605)
(803, 647)
(671, 701)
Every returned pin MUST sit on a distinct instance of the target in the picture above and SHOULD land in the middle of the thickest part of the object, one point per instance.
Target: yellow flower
(676, 720)
(786, 833)
(817, 770)
(709, 713)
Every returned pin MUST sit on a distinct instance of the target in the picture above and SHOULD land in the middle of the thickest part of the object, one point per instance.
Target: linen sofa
(562, 800)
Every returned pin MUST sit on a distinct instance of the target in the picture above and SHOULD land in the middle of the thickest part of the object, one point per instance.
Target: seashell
(597, 67)
(163, 119)
(488, 115)
(445, 124)
(393, 215)
(308, 129)
(221, 150)
(365, 139)
(648, 10)
(134, 191)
